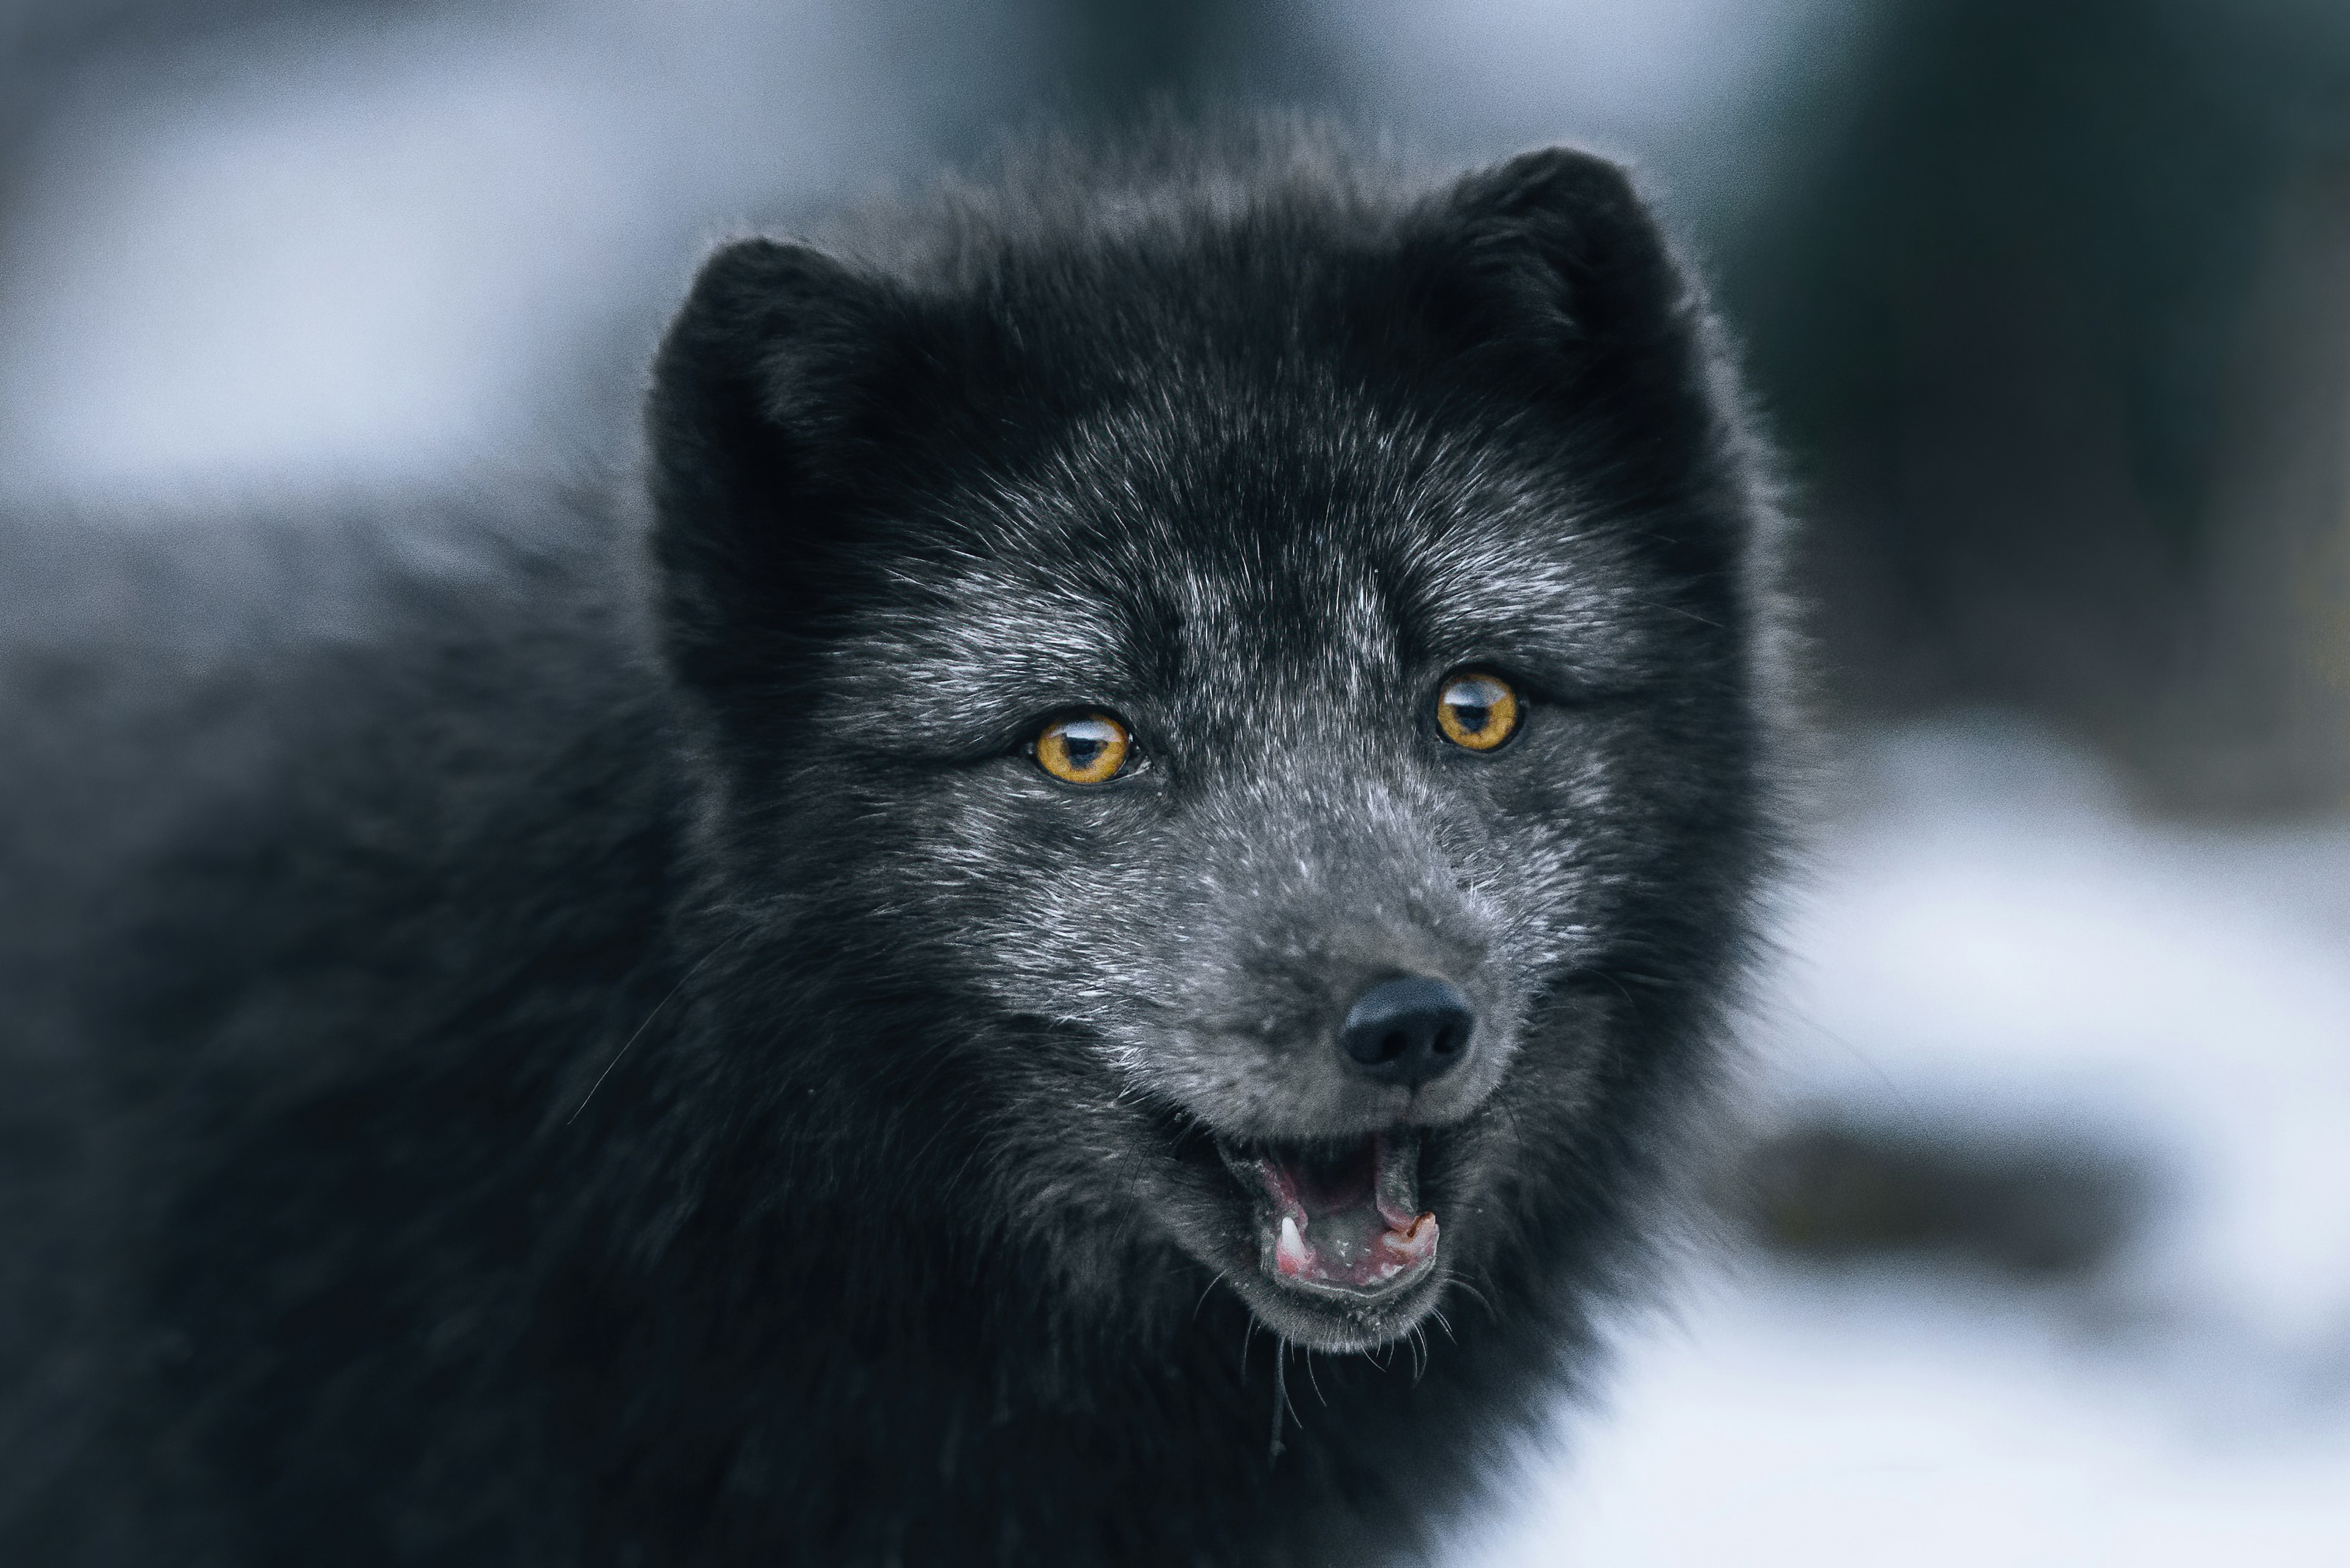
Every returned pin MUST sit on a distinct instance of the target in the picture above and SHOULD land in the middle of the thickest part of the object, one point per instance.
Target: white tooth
(1289, 1252)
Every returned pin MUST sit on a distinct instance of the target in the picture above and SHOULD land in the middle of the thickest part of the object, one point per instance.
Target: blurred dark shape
(1111, 55)
(2045, 284)
(1833, 1190)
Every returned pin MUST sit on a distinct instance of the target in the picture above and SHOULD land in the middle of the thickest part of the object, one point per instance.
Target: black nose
(1407, 1030)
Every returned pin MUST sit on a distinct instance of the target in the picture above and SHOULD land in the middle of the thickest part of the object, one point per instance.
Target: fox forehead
(1133, 565)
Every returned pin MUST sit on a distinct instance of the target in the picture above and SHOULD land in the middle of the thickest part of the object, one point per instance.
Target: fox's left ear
(1546, 268)
(1544, 285)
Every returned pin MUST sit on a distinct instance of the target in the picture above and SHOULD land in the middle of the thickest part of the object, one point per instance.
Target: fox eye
(1476, 710)
(1084, 748)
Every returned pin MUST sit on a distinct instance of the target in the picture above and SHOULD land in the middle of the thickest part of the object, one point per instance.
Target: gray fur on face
(1296, 829)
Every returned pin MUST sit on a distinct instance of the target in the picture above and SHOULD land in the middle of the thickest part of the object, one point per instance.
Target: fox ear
(1549, 263)
(765, 391)
(1544, 285)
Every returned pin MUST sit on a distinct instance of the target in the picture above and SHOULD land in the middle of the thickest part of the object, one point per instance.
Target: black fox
(1169, 745)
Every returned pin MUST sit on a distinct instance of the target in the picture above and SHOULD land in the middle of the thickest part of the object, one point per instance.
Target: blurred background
(2039, 1251)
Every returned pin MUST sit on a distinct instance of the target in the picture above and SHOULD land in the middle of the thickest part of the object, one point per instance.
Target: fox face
(1275, 721)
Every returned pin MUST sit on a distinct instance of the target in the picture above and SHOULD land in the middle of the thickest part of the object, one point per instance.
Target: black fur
(590, 1055)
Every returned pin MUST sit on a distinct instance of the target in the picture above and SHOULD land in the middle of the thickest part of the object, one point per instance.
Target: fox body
(1165, 748)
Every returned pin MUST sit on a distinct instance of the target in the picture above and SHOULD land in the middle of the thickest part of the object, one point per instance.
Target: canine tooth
(1416, 1242)
(1289, 1253)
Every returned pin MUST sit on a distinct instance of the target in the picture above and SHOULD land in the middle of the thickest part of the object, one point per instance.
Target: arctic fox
(1159, 786)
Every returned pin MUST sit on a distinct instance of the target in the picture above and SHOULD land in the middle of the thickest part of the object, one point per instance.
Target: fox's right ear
(771, 387)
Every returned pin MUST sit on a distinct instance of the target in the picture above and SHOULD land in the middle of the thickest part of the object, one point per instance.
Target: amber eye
(1088, 748)
(1477, 710)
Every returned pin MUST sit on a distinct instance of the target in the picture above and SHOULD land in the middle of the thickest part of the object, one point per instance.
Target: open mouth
(1338, 1220)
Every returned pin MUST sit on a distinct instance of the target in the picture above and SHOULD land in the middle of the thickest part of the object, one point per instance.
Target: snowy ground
(1993, 943)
